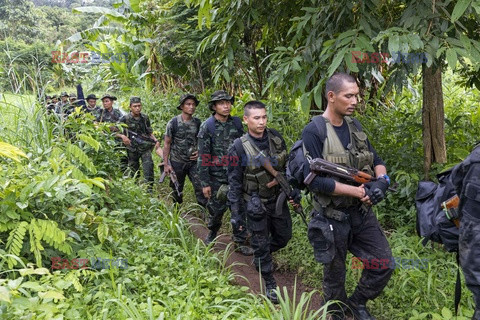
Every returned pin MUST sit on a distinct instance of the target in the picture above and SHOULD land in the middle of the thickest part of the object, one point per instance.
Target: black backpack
(432, 222)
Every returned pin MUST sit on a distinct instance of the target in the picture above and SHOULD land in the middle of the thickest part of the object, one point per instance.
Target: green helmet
(184, 98)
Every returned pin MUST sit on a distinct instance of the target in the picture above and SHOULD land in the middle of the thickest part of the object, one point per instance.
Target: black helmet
(184, 98)
(219, 96)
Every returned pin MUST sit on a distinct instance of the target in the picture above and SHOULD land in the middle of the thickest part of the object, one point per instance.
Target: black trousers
(270, 231)
(182, 170)
(362, 235)
(469, 247)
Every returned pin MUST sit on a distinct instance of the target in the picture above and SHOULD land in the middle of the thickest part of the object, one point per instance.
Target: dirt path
(245, 271)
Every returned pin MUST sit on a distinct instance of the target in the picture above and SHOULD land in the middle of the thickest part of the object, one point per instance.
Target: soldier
(54, 99)
(139, 140)
(215, 136)
(91, 105)
(62, 105)
(342, 219)
(50, 105)
(466, 179)
(109, 113)
(181, 145)
(250, 192)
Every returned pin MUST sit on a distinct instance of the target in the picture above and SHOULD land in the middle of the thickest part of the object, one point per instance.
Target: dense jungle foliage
(62, 193)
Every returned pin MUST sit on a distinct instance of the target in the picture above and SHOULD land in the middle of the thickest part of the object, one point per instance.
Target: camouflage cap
(54, 96)
(72, 95)
(219, 96)
(48, 97)
(185, 97)
(135, 100)
(109, 96)
(64, 94)
(91, 96)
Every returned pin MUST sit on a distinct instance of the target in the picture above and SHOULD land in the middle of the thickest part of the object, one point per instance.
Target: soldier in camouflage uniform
(109, 113)
(91, 105)
(62, 106)
(466, 178)
(214, 138)
(181, 146)
(250, 192)
(139, 140)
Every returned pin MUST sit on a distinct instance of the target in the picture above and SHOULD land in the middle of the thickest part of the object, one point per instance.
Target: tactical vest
(255, 176)
(357, 155)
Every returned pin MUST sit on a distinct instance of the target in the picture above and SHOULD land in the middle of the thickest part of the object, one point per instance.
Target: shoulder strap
(237, 122)
(319, 122)
(174, 125)
(355, 122)
(197, 123)
(238, 145)
(211, 126)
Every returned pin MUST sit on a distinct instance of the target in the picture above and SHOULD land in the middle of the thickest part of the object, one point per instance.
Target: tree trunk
(434, 149)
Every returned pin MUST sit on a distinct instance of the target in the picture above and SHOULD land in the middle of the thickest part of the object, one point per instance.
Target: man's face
(55, 100)
(222, 107)
(64, 99)
(345, 101)
(189, 106)
(256, 121)
(72, 100)
(92, 103)
(136, 108)
(107, 103)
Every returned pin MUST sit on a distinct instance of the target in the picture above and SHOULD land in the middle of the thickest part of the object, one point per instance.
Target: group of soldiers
(220, 159)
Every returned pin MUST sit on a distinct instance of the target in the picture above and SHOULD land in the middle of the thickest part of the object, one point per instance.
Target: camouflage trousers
(182, 170)
(216, 209)
(147, 164)
(469, 246)
(270, 231)
(360, 234)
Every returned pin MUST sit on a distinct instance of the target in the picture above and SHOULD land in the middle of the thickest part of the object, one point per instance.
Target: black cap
(91, 96)
(185, 97)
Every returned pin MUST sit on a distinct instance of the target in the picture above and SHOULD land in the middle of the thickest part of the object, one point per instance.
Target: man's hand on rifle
(376, 190)
(126, 141)
(207, 192)
(194, 156)
(295, 197)
(168, 168)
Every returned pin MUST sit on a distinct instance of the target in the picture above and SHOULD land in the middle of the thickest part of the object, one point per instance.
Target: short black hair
(335, 83)
(254, 104)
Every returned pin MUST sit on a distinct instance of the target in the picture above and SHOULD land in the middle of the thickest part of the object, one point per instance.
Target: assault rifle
(140, 138)
(284, 186)
(450, 206)
(173, 178)
(319, 165)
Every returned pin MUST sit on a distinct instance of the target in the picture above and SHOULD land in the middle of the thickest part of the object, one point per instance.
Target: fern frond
(82, 157)
(15, 241)
(11, 152)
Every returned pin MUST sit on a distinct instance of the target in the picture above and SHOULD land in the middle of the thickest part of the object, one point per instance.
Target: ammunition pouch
(361, 157)
(256, 213)
(222, 193)
(320, 235)
(258, 183)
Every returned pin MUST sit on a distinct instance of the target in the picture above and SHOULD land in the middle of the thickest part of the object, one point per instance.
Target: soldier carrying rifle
(139, 139)
(342, 219)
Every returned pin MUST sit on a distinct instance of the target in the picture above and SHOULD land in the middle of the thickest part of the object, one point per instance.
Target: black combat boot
(270, 286)
(359, 311)
(210, 237)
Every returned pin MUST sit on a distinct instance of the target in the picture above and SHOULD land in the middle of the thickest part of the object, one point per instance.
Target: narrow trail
(245, 271)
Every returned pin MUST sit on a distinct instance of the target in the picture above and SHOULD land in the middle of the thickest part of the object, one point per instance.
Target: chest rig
(356, 155)
(255, 176)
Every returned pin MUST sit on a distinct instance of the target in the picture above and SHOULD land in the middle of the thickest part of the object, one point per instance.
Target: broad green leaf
(336, 62)
(349, 60)
(447, 314)
(51, 295)
(35, 286)
(393, 44)
(459, 9)
(452, 58)
(4, 294)
(135, 5)
(102, 232)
